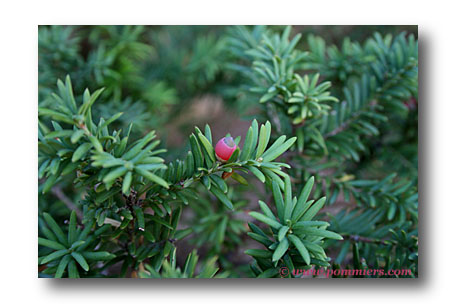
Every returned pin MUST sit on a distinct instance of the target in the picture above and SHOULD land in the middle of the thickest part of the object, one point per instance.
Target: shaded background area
(168, 78)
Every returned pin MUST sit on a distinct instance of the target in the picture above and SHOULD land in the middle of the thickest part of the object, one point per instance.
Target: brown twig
(348, 122)
(58, 192)
(358, 238)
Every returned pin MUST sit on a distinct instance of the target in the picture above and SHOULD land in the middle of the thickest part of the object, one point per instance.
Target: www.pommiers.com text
(284, 272)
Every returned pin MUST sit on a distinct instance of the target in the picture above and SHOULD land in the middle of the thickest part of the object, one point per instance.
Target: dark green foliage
(170, 271)
(293, 239)
(362, 148)
(214, 226)
(123, 179)
(72, 251)
(336, 124)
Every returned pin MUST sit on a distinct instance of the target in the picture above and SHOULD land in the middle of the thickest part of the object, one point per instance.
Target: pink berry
(225, 148)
